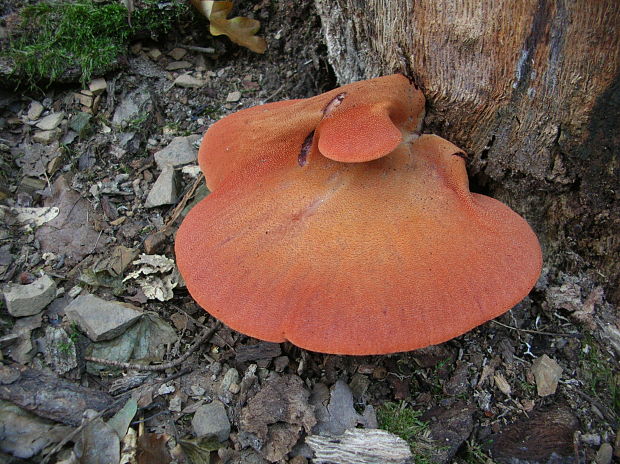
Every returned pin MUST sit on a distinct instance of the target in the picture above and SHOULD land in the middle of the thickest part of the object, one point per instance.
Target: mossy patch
(53, 37)
(405, 422)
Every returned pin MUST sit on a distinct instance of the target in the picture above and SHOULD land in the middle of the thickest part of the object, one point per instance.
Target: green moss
(56, 36)
(405, 422)
(602, 380)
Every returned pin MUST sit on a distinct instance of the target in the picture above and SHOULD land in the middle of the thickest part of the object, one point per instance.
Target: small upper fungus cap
(353, 257)
(357, 122)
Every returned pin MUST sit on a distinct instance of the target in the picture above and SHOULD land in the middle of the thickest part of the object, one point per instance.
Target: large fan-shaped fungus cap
(357, 257)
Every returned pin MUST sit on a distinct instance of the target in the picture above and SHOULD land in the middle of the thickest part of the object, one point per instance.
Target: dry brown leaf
(152, 449)
(240, 30)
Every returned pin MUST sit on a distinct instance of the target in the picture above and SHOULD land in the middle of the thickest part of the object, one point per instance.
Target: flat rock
(51, 121)
(35, 110)
(179, 152)
(164, 190)
(80, 122)
(154, 54)
(176, 65)
(119, 349)
(26, 300)
(101, 319)
(211, 419)
(46, 136)
(98, 86)
(547, 373)
(605, 454)
(339, 415)
(233, 97)
(177, 53)
(188, 82)
(132, 106)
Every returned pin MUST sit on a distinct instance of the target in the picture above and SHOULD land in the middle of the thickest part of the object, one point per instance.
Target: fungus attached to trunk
(374, 244)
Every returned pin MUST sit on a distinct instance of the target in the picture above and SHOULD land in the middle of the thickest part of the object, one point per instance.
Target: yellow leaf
(240, 30)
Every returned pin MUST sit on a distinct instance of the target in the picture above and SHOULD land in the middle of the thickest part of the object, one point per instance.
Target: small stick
(159, 367)
(179, 208)
(199, 49)
(538, 332)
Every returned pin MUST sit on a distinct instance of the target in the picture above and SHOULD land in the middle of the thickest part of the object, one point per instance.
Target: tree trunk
(530, 90)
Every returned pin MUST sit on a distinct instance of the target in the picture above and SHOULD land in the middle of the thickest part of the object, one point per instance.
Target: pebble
(591, 439)
(197, 390)
(176, 65)
(101, 319)
(233, 97)
(83, 99)
(164, 190)
(51, 121)
(211, 419)
(46, 136)
(604, 454)
(35, 110)
(98, 86)
(27, 300)
(177, 153)
(547, 373)
(188, 82)
(177, 53)
(154, 54)
(230, 377)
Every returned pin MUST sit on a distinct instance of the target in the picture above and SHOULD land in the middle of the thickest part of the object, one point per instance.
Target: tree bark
(530, 90)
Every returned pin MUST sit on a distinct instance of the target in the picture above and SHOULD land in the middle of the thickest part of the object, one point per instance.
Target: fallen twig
(181, 206)
(159, 367)
(538, 332)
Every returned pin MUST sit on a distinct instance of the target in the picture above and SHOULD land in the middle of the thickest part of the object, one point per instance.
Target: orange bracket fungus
(335, 225)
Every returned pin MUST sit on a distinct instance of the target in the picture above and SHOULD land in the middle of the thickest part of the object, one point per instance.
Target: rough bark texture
(49, 396)
(531, 90)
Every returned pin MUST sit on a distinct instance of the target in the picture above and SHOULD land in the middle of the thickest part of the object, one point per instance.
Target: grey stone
(51, 121)
(604, 454)
(98, 86)
(118, 349)
(177, 53)
(35, 110)
(164, 190)
(231, 377)
(101, 319)
(179, 152)
(547, 373)
(211, 419)
(80, 122)
(233, 96)
(131, 107)
(154, 54)
(46, 136)
(339, 415)
(176, 65)
(26, 300)
(188, 82)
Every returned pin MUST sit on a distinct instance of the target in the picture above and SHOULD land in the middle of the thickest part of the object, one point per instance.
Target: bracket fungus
(335, 225)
